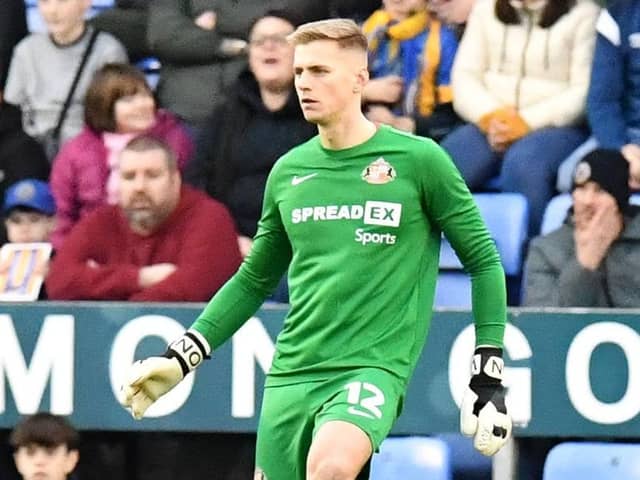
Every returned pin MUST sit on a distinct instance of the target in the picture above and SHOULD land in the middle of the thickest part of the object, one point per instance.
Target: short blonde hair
(341, 30)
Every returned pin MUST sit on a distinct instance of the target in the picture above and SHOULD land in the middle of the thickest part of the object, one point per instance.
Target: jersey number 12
(363, 404)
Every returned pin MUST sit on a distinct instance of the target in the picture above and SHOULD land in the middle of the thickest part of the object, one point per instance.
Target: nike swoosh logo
(298, 180)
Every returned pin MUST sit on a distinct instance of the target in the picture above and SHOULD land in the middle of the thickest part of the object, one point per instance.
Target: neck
(346, 132)
(70, 36)
(274, 99)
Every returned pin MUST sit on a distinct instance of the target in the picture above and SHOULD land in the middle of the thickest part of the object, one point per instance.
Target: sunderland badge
(379, 172)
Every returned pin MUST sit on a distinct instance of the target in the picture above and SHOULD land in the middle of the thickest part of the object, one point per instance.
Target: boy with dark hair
(45, 446)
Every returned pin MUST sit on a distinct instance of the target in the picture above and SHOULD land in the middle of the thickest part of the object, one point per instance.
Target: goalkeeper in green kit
(356, 215)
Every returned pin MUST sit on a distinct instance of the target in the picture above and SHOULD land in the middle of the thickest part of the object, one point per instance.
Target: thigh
(339, 450)
(539, 154)
(471, 153)
(285, 432)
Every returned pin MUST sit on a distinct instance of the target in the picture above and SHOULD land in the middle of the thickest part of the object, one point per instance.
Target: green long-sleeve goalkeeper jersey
(360, 230)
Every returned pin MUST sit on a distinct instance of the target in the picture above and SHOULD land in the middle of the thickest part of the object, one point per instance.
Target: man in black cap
(593, 260)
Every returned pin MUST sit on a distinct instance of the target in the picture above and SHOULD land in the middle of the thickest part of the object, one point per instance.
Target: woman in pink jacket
(119, 105)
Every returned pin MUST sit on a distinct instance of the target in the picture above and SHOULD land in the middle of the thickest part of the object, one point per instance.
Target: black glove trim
(197, 341)
(189, 351)
(487, 368)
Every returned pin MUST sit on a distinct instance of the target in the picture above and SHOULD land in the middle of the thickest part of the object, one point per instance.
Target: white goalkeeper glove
(483, 414)
(149, 379)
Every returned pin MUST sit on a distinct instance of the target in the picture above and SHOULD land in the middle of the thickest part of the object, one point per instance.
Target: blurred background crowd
(136, 136)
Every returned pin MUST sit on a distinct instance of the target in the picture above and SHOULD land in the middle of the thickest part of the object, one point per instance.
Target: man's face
(452, 11)
(63, 16)
(270, 55)
(149, 189)
(328, 79)
(400, 9)
(28, 226)
(589, 199)
(36, 462)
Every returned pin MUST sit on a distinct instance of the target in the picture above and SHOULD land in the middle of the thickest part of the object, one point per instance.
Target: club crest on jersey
(379, 172)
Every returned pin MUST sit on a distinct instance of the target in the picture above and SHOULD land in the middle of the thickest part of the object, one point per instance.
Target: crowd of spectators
(154, 194)
(517, 92)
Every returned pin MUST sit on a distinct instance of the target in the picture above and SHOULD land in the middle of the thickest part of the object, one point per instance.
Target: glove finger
(484, 440)
(493, 430)
(126, 393)
(468, 421)
(139, 404)
(139, 373)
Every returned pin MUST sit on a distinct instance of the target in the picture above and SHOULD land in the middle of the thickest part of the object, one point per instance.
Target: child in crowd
(29, 211)
(44, 66)
(410, 58)
(46, 446)
(29, 217)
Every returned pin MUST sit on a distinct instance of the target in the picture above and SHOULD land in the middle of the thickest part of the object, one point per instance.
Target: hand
(384, 89)
(483, 414)
(206, 20)
(149, 379)
(631, 152)
(379, 114)
(595, 232)
(152, 274)
(244, 244)
(42, 267)
(233, 47)
(497, 135)
(5, 265)
(406, 124)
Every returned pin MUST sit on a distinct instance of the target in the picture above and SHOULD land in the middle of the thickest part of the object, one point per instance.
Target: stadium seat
(593, 461)
(150, 66)
(411, 458)
(557, 208)
(507, 217)
(465, 461)
(555, 213)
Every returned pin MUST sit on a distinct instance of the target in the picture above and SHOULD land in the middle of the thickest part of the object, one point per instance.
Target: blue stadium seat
(557, 208)
(411, 458)
(593, 461)
(555, 213)
(507, 217)
(150, 66)
(466, 462)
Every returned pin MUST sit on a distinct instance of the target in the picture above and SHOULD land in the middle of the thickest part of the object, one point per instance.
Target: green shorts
(369, 398)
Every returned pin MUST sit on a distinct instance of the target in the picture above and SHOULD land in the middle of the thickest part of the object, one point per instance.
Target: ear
(362, 77)
(71, 461)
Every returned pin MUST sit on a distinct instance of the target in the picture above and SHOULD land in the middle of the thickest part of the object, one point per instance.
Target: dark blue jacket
(613, 104)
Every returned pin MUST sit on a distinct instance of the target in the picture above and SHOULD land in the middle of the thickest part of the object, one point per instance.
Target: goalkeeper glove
(151, 378)
(483, 414)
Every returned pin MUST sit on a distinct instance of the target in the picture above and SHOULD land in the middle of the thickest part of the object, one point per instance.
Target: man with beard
(593, 260)
(163, 241)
